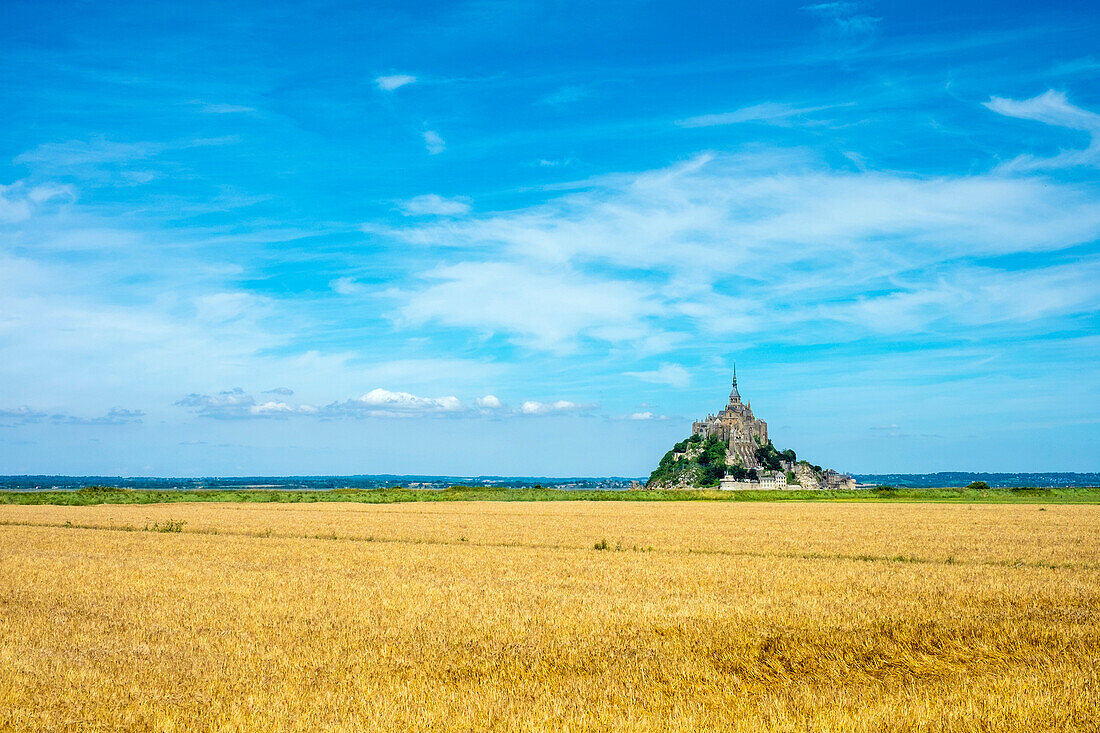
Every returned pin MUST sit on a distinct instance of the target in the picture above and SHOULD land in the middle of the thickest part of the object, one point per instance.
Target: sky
(532, 238)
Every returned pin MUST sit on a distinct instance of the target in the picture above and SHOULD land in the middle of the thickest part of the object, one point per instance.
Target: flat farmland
(506, 616)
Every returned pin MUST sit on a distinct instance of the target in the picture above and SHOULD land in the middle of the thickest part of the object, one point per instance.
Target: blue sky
(530, 238)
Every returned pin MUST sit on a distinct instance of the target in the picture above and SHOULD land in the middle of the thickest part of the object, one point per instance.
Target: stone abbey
(737, 427)
(751, 461)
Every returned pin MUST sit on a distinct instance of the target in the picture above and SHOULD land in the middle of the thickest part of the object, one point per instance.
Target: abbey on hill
(732, 450)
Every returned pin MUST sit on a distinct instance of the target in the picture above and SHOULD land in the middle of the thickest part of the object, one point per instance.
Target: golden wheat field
(503, 616)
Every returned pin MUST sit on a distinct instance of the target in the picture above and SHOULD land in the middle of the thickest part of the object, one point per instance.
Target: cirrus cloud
(431, 204)
(394, 81)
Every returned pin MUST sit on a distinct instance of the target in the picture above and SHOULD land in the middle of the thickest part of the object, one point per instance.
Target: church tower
(736, 426)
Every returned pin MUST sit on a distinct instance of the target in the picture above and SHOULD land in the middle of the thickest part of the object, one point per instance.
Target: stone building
(774, 480)
(770, 480)
(737, 427)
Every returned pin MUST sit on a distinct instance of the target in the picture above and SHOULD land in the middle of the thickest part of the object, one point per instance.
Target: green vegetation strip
(110, 495)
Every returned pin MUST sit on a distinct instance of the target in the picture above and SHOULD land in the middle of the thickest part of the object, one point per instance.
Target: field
(743, 616)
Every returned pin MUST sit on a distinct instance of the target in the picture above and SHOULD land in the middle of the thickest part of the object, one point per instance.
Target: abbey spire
(735, 396)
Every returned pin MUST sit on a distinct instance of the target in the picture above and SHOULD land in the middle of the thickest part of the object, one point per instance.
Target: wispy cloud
(347, 286)
(556, 163)
(103, 160)
(844, 22)
(394, 81)
(1052, 108)
(431, 204)
(224, 109)
(433, 143)
(114, 416)
(25, 415)
(21, 415)
(673, 375)
(772, 113)
(774, 235)
(98, 149)
(566, 96)
(540, 306)
(1076, 66)
(19, 201)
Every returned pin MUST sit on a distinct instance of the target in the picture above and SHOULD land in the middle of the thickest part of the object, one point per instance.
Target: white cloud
(975, 296)
(1052, 108)
(533, 407)
(730, 213)
(431, 204)
(722, 244)
(384, 403)
(489, 402)
(237, 404)
(82, 152)
(547, 163)
(19, 201)
(433, 143)
(270, 408)
(228, 404)
(642, 416)
(347, 286)
(673, 375)
(548, 308)
(389, 83)
(769, 112)
(85, 307)
(403, 400)
(107, 162)
(842, 22)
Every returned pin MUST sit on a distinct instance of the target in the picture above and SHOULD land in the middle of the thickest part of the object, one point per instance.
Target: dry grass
(491, 616)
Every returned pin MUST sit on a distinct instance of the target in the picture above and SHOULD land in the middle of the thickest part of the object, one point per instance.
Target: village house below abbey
(750, 460)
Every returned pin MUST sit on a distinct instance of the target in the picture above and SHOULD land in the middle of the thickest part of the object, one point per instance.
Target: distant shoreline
(114, 495)
(40, 482)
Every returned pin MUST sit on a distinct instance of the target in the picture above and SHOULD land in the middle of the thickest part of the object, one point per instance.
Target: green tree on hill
(713, 461)
(705, 466)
